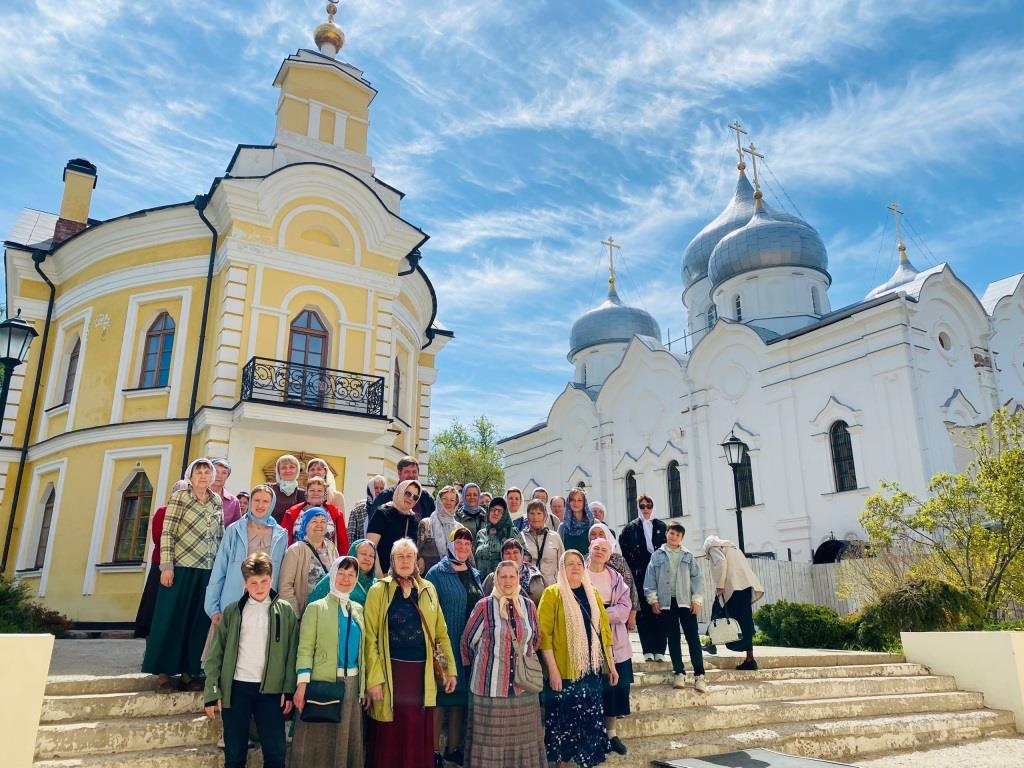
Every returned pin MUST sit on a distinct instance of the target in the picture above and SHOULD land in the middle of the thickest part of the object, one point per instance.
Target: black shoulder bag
(323, 699)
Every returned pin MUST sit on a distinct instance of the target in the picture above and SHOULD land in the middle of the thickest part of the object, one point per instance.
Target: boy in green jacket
(250, 667)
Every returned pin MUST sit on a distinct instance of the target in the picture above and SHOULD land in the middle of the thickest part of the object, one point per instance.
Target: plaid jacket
(192, 531)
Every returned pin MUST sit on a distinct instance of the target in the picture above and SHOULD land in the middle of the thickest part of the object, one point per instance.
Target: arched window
(675, 490)
(842, 457)
(631, 511)
(737, 304)
(745, 479)
(72, 371)
(133, 521)
(307, 357)
(396, 396)
(712, 316)
(44, 528)
(156, 360)
(815, 300)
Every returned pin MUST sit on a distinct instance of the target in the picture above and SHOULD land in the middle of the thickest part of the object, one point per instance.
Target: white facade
(906, 371)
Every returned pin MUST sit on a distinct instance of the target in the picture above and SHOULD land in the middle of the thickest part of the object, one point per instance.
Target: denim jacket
(689, 583)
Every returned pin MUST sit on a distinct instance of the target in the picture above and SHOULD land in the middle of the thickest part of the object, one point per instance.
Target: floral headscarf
(307, 517)
(570, 525)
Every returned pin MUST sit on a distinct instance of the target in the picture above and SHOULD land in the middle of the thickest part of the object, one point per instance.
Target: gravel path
(987, 753)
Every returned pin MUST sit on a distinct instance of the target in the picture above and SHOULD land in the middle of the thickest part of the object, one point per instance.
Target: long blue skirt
(574, 722)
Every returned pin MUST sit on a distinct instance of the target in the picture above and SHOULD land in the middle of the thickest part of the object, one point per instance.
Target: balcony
(278, 382)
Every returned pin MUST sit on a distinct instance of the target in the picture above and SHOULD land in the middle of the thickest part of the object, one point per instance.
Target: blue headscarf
(307, 516)
(466, 509)
(268, 520)
(570, 525)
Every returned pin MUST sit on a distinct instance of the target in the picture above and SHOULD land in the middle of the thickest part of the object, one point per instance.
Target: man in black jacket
(638, 541)
(408, 469)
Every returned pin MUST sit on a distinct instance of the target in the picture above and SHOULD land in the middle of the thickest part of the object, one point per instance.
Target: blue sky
(525, 132)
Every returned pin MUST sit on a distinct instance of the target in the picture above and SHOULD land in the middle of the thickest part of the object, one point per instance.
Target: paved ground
(988, 753)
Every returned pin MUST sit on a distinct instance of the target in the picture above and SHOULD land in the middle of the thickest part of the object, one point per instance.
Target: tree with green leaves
(461, 454)
(970, 528)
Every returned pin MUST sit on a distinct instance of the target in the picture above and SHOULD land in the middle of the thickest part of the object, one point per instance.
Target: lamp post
(15, 337)
(735, 451)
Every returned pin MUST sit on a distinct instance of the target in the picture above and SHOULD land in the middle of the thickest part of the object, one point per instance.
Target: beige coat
(731, 571)
(553, 549)
(294, 568)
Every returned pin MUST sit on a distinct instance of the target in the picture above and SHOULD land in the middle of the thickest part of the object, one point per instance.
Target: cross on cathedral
(737, 126)
(754, 156)
(897, 214)
(612, 246)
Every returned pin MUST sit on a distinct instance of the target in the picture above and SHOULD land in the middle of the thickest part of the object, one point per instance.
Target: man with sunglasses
(638, 541)
(408, 469)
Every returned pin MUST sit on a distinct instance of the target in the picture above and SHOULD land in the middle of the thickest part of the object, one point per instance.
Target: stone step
(81, 685)
(665, 697)
(676, 722)
(643, 677)
(174, 757)
(838, 740)
(113, 706)
(807, 659)
(125, 735)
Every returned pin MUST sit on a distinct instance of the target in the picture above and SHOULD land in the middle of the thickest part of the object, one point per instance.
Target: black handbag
(323, 699)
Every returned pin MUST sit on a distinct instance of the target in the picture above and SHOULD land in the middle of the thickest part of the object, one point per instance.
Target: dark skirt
(408, 740)
(616, 698)
(144, 616)
(574, 722)
(339, 745)
(739, 607)
(505, 733)
(178, 633)
(460, 696)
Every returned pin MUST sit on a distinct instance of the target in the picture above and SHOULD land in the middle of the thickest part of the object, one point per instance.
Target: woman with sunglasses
(639, 539)
(395, 520)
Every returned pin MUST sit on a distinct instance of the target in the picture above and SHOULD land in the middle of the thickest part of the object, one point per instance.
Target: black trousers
(739, 607)
(247, 704)
(650, 628)
(672, 619)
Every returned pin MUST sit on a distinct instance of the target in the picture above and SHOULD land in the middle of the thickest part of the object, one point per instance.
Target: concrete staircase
(826, 705)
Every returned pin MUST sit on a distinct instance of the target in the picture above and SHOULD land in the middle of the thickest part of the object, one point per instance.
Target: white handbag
(724, 630)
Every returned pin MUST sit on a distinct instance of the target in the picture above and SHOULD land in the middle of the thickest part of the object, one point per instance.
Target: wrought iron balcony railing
(305, 386)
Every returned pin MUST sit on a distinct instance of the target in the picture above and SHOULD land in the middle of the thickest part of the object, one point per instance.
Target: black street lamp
(15, 337)
(735, 451)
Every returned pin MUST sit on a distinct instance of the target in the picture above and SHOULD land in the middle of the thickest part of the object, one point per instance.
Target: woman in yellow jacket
(576, 644)
(403, 618)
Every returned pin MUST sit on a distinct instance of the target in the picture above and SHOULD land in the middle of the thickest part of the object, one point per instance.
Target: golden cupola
(329, 37)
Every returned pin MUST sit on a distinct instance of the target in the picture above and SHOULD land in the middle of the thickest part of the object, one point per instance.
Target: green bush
(20, 614)
(802, 625)
(923, 605)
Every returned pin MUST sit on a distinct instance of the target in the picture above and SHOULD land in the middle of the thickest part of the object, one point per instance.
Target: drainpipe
(38, 257)
(922, 426)
(200, 203)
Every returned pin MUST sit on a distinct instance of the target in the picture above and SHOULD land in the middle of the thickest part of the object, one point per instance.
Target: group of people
(419, 631)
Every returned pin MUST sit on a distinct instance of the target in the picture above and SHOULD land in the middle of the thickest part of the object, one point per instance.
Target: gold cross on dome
(897, 214)
(754, 157)
(738, 128)
(612, 246)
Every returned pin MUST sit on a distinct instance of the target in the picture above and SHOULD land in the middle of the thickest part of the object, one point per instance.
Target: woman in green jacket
(331, 650)
(576, 645)
(403, 622)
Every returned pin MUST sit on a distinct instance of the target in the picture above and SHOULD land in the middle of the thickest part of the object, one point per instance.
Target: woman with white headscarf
(639, 540)
(739, 588)
(618, 564)
(331, 650)
(395, 520)
(576, 645)
(432, 535)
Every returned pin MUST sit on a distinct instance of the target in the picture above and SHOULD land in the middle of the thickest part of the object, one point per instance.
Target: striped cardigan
(487, 644)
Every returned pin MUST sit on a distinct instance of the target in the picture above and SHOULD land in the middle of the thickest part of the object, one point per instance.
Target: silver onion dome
(735, 215)
(611, 321)
(770, 239)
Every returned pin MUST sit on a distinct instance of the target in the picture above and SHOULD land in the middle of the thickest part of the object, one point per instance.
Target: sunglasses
(646, 506)
(411, 496)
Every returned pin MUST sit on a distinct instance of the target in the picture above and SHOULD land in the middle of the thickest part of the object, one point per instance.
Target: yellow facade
(314, 302)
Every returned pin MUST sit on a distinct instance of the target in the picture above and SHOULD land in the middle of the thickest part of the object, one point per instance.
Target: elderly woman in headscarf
(365, 555)
(576, 645)
(286, 485)
(317, 467)
(192, 530)
(505, 726)
(316, 496)
(256, 531)
(738, 587)
(470, 514)
(615, 595)
(144, 616)
(432, 535)
(497, 529)
(530, 579)
(308, 559)
(458, 589)
(332, 650)
(395, 520)
(619, 564)
(575, 529)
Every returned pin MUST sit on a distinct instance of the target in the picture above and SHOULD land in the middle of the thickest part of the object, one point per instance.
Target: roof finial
(754, 156)
(738, 127)
(901, 246)
(328, 36)
(612, 246)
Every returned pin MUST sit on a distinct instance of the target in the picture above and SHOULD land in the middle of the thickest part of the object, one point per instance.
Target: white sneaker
(679, 681)
(699, 684)
(648, 657)
(659, 657)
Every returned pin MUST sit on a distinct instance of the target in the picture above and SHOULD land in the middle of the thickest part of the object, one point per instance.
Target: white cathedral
(830, 402)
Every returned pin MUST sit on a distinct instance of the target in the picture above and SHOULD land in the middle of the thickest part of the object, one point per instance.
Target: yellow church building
(284, 311)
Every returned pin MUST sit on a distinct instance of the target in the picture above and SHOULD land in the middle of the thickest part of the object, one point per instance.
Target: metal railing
(279, 382)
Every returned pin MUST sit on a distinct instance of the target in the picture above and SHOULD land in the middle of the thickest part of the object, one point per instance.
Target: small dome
(329, 37)
(611, 321)
(905, 273)
(736, 214)
(770, 239)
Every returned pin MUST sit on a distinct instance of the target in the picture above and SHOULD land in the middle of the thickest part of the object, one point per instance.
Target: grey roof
(611, 321)
(999, 290)
(735, 215)
(904, 274)
(911, 288)
(770, 239)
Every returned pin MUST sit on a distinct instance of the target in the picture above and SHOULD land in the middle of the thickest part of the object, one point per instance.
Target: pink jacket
(618, 613)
